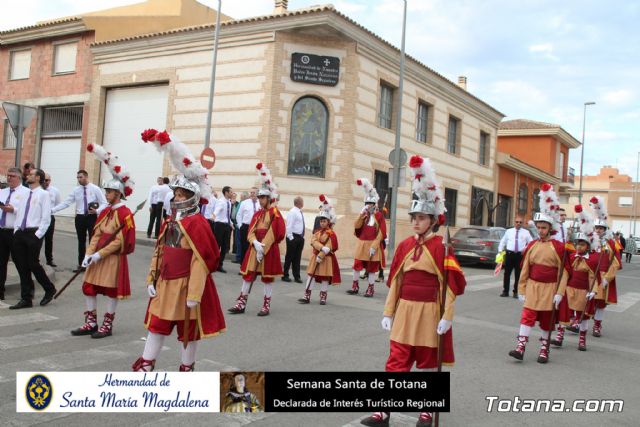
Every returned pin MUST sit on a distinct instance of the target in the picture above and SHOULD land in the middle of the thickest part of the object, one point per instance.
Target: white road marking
(24, 318)
(40, 337)
(625, 301)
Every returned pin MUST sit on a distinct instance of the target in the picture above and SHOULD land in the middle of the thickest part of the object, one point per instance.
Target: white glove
(443, 326)
(590, 296)
(95, 258)
(191, 303)
(326, 250)
(86, 261)
(386, 323)
(556, 300)
(258, 246)
(521, 298)
(259, 256)
(151, 290)
(318, 259)
(605, 282)
(364, 210)
(372, 252)
(386, 242)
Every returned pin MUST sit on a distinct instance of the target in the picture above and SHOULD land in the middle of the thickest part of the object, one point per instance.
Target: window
(64, 58)
(308, 139)
(9, 141)
(422, 122)
(386, 105)
(522, 199)
(560, 166)
(450, 201)
(481, 203)
(535, 199)
(62, 121)
(381, 184)
(20, 64)
(452, 135)
(625, 202)
(503, 211)
(483, 151)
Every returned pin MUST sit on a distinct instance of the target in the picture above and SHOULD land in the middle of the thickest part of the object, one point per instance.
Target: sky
(531, 59)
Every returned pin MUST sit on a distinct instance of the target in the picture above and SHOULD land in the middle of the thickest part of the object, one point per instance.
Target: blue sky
(533, 59)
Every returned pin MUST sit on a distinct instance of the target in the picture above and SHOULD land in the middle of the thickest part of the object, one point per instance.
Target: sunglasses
(518, 222)
(47, 180)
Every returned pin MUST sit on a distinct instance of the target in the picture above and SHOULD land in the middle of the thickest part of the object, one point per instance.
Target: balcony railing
(571, 174)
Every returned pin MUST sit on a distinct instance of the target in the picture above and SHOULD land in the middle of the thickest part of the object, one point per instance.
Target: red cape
(272, 263)
(379, 216)
(335, 268)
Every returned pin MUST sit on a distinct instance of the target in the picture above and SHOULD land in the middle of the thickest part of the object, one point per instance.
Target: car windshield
(471, 233)
(497, 234)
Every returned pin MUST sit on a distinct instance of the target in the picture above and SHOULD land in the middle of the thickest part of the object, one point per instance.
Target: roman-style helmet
(370, 193)
(549, 205)
(585, 227)
(267, 186)
(429, 198)
(193, 176)
(121, 179)
(327, 210)
(599, 211)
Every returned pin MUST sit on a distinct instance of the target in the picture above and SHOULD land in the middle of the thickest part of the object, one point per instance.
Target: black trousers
(48, 241)
(6, 250)
(27, 247)
(244, 243)
(222, 233)
(511, 262)
(156, 215)
(292, 258)
(84, 228)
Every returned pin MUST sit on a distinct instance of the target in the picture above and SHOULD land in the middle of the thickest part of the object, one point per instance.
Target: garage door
(128, 112)
(60, 158)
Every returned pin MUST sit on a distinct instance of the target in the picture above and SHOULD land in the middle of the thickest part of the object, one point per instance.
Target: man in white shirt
(243, 219)
(54, 194)
(152, 201)
(295, 240)
(563, 235)
(32, 221)
(514, 241)
(89, 201)
(166, 206)
(13, 195)
(222, 224)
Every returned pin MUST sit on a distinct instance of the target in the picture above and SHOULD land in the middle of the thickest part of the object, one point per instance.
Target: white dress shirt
(153, 197)
(562, 235)
(163, 190)
(19, 195)
(94, 194)
(39, 215)
(166, 205)
(247, 208)
(222, 210)
(54, 194)
(295, 222)
(509, 240)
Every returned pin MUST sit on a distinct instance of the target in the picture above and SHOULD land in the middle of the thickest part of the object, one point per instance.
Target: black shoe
(297, 280)
(504, 294)
(286, 279)
(48, 297)
(515, 295)
(148, 236)
(375, 421)
(79, 269)
(21, 304)
(222, 270)
(51, 264)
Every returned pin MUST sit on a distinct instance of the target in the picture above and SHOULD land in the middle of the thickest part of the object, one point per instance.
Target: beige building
(310, 92)
(619, 193)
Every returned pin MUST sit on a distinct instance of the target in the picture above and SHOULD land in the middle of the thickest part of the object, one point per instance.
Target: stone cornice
(39, 32)
(519, 166)
(563, 136)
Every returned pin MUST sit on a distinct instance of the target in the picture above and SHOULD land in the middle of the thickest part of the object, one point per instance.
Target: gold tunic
(415, 322)
(539, 295)
(263, 223)
(577, 298)
(170, 302)
(326, 266)
(603, 293)
(104, 272)
(363, 246)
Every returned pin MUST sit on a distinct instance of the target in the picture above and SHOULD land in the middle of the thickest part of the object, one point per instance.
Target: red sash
(261, 233)
(418, 285)
(543, 273)
(176, 263)
(579, 280)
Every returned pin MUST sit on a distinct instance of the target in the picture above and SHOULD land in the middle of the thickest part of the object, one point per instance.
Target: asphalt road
(344, 335)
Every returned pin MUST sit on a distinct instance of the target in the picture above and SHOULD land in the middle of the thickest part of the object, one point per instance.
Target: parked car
(477, 244)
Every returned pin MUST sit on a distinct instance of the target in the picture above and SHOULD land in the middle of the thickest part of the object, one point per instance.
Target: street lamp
(212, 84)
(584, 119)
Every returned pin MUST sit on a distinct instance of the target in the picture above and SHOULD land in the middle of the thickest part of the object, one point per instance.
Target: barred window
(386, 105)
(483, 152)
(62, 121)
(9, 141)
(522, 198)
(421, 122)
(453, 134)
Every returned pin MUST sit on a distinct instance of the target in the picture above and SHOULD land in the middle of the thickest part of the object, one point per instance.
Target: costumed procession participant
(581, 285)
(266, 230)
(611, 263)
(371, 230)
(323, 266)
(107, 269)
(543, 278)
(180, 284)
(420, 271)
(239, 399)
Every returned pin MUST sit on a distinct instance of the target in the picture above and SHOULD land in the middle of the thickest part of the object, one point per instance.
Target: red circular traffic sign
(208, 158)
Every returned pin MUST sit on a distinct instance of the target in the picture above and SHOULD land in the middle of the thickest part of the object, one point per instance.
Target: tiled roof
(526, 124)
(43, 24)
(289, 13)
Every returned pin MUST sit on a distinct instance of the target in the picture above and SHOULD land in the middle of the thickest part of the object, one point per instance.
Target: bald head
(298, 202)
